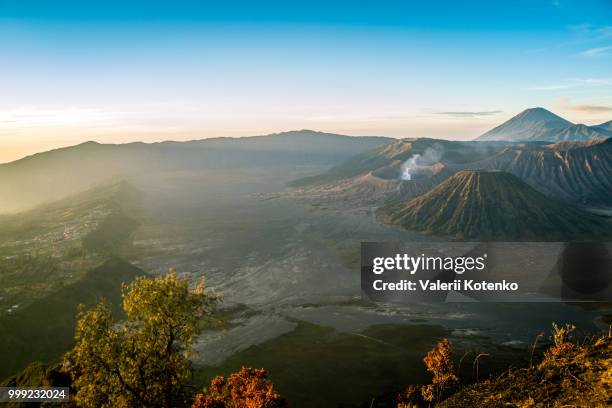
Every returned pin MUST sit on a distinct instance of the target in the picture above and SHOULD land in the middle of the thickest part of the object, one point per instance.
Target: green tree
(141, 361)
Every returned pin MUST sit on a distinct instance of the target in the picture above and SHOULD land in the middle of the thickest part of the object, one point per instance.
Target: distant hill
(385, 161)
(539, 124)
(54, 174)
(574, 171)
(605, 128)
(574, 133)
(530, 124)
(492, 205)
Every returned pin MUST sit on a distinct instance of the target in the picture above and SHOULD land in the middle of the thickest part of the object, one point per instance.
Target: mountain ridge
(493, 205)
(211, 140)
(577, 132)
(48, 176)
(523, 126)
(539, 124)
(577, 172)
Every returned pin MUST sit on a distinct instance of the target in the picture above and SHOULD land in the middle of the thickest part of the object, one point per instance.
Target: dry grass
(569, 375)
(439, 364)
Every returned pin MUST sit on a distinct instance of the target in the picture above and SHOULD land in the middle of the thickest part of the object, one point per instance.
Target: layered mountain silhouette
(539, 124)
(386, 160)
(604, 128)
(574, 133)
(51, 175)
(527, 125)
(577, 172)
(492, 205)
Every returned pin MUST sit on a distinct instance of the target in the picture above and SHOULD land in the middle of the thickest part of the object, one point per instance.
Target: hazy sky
(71, 71)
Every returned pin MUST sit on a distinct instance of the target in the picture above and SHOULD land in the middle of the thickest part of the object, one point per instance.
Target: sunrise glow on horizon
(153, 71)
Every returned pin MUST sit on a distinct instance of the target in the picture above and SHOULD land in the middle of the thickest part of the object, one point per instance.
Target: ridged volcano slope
(580, 172)
(493, 205)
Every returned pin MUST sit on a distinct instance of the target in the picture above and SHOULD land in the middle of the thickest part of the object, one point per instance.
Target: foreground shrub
(411, 397)
(142, 361)
(440, 364)
(248, 388)
(562, 343)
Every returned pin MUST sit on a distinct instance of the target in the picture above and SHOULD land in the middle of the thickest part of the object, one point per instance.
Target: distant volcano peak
(527, 125)
(539, 113)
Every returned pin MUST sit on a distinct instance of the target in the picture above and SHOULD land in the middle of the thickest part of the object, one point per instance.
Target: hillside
(55, 257)
(26, 334)
(578, 377)
(492, 205)
(386, 161)
(573, 171)
(527, 125)
(605, 128)
(54, 245)
(579, 172)
(55, 174)
(578, 132)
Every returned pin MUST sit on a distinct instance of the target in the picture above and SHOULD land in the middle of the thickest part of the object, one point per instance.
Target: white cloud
(469, 114)
(572, 83)
(596, 52)
(553, 87)
(588, 32)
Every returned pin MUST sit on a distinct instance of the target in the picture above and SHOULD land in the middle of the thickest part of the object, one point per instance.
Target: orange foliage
(410, 398)
(249, 388)
(440, 364)
(561, 337)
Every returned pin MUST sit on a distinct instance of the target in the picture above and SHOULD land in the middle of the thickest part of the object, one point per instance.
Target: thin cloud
(584, 108)
(469, 114)
(597, 52)
(591, 81)
(580, 34)
(589, 32)
(590, 108)
(572, 83)
(553, 87)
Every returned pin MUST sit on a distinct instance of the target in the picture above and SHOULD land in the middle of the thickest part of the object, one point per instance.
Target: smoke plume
(430, 156)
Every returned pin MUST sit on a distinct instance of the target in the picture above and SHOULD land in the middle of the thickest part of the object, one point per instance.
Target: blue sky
(124, 71)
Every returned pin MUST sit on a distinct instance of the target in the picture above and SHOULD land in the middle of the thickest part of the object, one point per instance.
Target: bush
(561, 338)
(440, 364)
(249, 388)
(142, 361)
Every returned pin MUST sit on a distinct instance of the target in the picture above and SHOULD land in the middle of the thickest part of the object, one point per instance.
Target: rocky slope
(579, 172)
(605, 128)
(492, 205)
(578, 132)
(386, 160)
